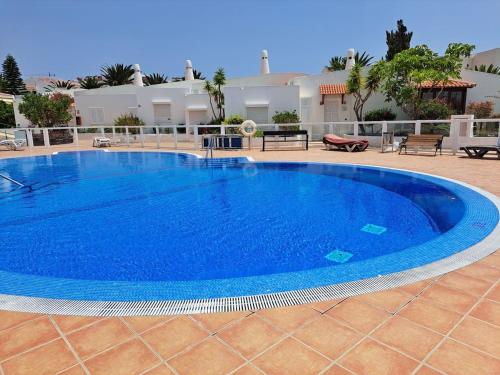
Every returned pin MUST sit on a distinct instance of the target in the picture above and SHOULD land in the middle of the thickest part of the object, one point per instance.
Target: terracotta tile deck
(447, 325)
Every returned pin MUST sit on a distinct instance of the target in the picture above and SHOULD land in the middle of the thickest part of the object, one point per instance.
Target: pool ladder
(210, 148)
(15, 182)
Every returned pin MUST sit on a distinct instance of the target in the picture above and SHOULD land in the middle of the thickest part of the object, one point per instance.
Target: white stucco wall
(487, 87)
(21, 121)
(309, 88)
(279, 98)
(113, 105)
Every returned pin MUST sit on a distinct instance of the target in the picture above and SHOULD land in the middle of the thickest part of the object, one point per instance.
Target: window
(456, 101)
(97, 116)
(258, 114)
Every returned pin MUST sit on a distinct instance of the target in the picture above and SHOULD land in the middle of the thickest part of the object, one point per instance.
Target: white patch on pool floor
(338, 256)
(374, 229)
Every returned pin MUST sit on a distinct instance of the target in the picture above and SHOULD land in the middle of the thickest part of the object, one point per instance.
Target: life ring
(248, 128)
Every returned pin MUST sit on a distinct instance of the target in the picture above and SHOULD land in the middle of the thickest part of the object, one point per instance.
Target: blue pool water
(135, 226)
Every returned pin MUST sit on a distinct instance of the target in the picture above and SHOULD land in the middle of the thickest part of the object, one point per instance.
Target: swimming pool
(150, 226)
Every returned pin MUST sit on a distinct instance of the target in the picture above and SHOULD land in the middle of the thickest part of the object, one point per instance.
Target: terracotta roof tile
(449, 83)
(333, 89)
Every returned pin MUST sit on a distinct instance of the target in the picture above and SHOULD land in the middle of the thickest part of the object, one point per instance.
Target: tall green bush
(381, 114)
(7, 119)
(45, 110)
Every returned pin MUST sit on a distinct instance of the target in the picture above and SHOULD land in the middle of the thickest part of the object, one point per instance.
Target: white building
(316, 98)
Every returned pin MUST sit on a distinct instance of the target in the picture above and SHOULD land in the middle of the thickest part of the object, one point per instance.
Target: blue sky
(75, 38)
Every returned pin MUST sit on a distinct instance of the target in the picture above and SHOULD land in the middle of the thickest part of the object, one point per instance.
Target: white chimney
(188, 72)
(350, 59)
(137, 76)
(264, 62)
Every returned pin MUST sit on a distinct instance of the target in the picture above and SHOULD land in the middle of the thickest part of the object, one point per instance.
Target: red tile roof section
(333, 89)
(449, 84)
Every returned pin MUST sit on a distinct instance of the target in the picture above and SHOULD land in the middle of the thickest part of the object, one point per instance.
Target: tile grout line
(151, 349)
(68, 344)
(462, 318)
(19, 325)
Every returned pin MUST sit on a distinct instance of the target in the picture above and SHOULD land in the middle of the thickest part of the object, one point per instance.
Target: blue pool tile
(374, 229)
(338, 256)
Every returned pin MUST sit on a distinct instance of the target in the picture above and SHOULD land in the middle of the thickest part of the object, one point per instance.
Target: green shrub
(128, 119)
(7, 119)
(46, 111)
(434, 110)
(480, 109)
(233, 120)
(286, 117)
(381, 114)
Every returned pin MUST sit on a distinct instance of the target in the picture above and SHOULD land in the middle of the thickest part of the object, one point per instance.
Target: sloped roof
(333, 89)
(451, 83)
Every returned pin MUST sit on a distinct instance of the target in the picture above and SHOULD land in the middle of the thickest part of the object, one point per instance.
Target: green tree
(286, 117)
(339, 62)
(90, 82)
(403, 76)
(117, 75)
(11, 81)
(155, 79)
(397, 41)
(215, 94)
(44, 110)
(60, 84)
(361, 88)
(7, 119)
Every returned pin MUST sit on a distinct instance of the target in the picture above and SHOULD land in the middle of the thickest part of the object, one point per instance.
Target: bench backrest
(424, 138)
(284, 132)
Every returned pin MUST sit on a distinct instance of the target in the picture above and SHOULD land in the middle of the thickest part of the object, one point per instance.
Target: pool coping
(278, 299)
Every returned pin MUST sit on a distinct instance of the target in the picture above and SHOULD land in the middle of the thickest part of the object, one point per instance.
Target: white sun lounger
(101, 142)
(13, 144)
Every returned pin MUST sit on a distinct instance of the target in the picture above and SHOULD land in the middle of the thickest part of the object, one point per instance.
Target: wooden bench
(433, 141)
(284, 136)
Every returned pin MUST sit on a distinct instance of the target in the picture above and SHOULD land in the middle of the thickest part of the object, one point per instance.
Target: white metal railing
(457, 132)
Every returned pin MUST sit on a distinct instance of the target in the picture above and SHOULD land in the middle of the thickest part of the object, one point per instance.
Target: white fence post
(355, 131)
(141, 132)
(29, 137)
(157, 137)
(175, 136)
(76, 141)
(195, 135)
(103, 133)
(384, 127)
(46, 139)
(222, 130)
(418, 127)
(458, 127)
(127, 136)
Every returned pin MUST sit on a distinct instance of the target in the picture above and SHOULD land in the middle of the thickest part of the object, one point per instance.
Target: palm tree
(90, 82)
(339, 62)
(336, 63)
(117, 75)
(215, 94)
(364, 59)
(60, 84)
(487, 69)
(155, 79)
(198, 75)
